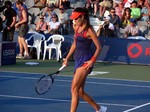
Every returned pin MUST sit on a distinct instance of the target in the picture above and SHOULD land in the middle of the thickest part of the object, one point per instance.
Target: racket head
(44, 84)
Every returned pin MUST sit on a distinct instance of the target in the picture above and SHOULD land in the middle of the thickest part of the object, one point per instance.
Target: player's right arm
(71, 51)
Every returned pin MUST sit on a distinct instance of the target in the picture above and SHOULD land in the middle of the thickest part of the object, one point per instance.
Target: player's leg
(88, 98)
(77, 82)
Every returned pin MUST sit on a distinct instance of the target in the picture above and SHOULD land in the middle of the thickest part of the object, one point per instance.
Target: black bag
(1, 24)
(33, 53)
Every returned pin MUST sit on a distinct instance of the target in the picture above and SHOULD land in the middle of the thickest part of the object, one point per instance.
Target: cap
(75, 15)
(133, 20)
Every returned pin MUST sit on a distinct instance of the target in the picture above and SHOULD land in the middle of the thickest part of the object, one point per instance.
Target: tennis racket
(45, 82)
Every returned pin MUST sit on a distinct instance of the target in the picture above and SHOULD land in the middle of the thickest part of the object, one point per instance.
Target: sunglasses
(53, 17)
(61, 9)
(113, 12)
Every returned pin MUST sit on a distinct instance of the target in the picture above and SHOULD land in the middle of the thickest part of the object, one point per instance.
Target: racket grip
(63, 66)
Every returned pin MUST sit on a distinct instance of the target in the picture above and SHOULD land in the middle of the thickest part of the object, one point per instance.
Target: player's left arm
(91, 33)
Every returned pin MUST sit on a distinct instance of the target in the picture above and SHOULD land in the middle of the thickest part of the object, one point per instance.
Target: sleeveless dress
(83, 50)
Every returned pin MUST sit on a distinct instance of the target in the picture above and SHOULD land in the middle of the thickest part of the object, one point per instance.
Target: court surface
(17, 94)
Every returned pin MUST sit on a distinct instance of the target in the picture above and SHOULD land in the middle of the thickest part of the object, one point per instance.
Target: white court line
(137, 107)
(60, 100)
(72, 76)
(88, 82)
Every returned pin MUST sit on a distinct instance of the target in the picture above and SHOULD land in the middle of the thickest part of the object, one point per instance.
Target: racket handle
(63, 66)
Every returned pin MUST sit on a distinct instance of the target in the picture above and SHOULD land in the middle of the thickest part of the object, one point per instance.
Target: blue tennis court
(17, 94)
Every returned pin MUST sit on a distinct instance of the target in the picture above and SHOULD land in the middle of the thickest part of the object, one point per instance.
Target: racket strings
(44, 84)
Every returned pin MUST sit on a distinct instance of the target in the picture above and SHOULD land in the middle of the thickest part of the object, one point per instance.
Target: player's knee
(81, 94)
(74, 90)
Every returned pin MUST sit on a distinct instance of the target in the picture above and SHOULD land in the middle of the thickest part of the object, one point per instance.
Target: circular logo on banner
(137, 54)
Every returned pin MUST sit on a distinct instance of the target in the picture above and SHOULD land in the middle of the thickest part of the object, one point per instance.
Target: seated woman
(145, 12)
(125, 20)
(41, 25)
(53, 26)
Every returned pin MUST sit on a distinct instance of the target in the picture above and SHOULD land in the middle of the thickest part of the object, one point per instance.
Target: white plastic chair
(37, 41)
(122, 33)
(32, 27)
(35, 11)
(95, 22)
(55, 44)
(29, 3)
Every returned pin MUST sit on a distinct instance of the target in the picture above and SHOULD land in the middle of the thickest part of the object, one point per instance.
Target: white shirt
(53, 25)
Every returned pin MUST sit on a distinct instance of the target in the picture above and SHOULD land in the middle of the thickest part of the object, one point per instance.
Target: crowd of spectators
(123, 14)
(54, 18)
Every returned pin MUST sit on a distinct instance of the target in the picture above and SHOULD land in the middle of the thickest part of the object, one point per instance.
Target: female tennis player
(84, 60)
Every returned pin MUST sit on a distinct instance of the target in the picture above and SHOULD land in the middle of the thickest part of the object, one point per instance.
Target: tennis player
(84, 59)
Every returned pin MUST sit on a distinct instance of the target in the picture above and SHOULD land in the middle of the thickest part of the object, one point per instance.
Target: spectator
(88, 6)
(119, 9)
(92, 5)
(135, 11)
(41, 25)
(48, 12)
(116, 2)
(23, 29)
(10, 18)
(95, 6)
(16, 9)
(105, 31)
(63, 19)
(127, 3)
(140, 4)
(54, 25)
(103, 6)
(115, 20)
(132, 29)
(145, 12)
(1, 20)
(107, 20)
(53, 2)
(65, 3)
(126, 17)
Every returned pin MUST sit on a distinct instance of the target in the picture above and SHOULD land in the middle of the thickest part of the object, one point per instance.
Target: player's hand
(66, 62)
(88, 64)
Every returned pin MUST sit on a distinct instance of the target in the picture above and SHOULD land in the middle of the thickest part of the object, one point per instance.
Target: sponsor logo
(9, 52)
(134, 50)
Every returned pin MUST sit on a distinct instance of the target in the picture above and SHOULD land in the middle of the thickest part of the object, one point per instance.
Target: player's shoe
(102, 109)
